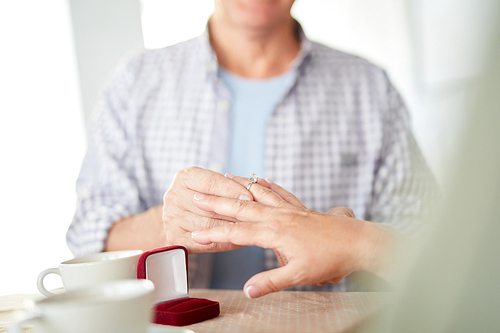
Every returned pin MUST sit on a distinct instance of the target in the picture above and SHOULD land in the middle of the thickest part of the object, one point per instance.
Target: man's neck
(252, 53)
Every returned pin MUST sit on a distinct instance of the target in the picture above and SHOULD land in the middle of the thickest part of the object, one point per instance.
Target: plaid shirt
(339, 137)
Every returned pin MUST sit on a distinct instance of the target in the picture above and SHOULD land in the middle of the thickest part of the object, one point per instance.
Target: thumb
(269, 282)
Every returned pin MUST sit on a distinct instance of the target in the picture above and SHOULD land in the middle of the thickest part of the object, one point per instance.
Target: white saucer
(153, 328)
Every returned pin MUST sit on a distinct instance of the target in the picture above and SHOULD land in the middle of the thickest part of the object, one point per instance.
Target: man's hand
(284, 199)
(319, 248)
(181, 216)
(172, 223)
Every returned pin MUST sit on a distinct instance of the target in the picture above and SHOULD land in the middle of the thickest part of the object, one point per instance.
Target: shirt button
(224, 106)
(216, 167)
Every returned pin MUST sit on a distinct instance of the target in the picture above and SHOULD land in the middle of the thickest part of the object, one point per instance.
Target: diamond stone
(253, 178)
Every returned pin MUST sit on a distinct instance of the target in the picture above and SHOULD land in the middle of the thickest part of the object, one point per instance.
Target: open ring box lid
(167, 268)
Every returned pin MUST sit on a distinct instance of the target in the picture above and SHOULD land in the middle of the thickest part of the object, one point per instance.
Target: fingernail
(194, 233)
(269, 181)
(199, 196)
(244, 197)
(228, 175)
(253, 292)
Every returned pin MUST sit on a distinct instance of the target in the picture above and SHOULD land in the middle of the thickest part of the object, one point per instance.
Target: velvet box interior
(167, 269)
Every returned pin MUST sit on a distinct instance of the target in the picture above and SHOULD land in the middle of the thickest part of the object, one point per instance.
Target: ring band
(253, 179)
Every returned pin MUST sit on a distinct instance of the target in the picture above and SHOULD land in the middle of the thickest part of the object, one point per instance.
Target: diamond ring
(253, 179)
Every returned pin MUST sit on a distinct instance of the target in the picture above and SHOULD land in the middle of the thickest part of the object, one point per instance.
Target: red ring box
(167, 268)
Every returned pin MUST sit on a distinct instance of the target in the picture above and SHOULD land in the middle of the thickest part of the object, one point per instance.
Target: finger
(271, 281)
(181, 232)
(245, 211)
(287, 196)
(177, 205)
(341, 211)
(191, 222)
(261, 192)
(212, 248)
(197, 211)
(210, 182)
(185, 220)
(239, 233)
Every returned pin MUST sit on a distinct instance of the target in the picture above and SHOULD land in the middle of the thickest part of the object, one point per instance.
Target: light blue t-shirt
(253, 102)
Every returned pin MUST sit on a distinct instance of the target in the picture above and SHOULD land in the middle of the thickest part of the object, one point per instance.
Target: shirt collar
(209, 58)
(305, 48)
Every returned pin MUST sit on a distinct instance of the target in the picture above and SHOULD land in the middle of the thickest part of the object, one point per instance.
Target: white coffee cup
(122, 306)
(86, 271)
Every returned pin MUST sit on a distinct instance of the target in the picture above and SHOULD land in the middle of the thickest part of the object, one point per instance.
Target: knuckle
(203, 222)
(167, 214)
(265, 192)
(179, 175)
(292, 198)
(272, 284)
(270, 195)
(275, 226)
(166, 197)
(211, 223)
(300, 277)
(286, 219)
(229, 229)
(199, 223)
(211, 182)
(350, 212)
(171, 221)
(342, 211)
(185, 173)
(219, 247)
(241, 206)
(212, 247)
(296, 216)
(191, 169)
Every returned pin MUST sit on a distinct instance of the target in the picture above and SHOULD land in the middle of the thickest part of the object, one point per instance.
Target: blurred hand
(180, 216)
(281, 200)
(318, 248)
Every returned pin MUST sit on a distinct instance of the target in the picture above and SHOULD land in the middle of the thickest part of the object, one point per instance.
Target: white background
(41, 139)
(432, 50)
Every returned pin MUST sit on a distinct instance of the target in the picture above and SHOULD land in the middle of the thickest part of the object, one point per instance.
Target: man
(252, 94)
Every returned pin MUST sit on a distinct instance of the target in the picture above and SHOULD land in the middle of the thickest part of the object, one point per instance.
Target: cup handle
(41, 276)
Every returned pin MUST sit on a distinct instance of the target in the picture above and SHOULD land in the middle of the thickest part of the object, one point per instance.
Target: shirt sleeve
(106, 187)
(405, 192)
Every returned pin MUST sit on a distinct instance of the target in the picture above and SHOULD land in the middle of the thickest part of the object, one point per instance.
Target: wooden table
(286, 311)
